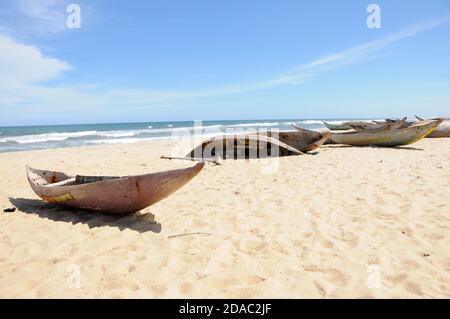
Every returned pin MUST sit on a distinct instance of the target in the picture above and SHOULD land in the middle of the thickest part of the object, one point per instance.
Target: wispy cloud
(42, 16)
(27, 68)
(351, 56)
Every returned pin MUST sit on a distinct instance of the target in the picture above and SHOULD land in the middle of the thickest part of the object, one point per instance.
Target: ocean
(23, 138)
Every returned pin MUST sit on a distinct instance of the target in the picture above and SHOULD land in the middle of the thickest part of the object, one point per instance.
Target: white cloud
(22, 64)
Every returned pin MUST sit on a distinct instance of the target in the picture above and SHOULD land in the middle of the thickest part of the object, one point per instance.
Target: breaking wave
(255, 124)
(40, 137)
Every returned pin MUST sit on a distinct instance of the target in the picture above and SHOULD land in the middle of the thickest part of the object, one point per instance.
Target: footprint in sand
(186, 287)
(327, 244)
(410, 264)
(413, 288)
(397, 278)
(250, 244)
(336, 276)
(320, 289)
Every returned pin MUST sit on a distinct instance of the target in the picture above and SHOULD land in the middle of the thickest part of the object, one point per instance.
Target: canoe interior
(377, 127)
(80, 179)
(43, 178)
(46, 178)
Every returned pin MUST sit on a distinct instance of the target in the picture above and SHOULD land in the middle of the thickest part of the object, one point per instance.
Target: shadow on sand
(137, 222)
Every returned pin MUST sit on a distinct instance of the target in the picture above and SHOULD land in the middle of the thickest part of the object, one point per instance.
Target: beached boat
(406, 124)
(398, 137)
(432, 119)
(301, 139)
(304, 140)
(126, 194)
(347, 125)
(337, 127)
(443, 130)
(378, 127)
(242, 146)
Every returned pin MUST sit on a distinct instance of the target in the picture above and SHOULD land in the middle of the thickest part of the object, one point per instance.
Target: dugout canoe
(343, 126)
(389, 121)
(378, 127)
(443, 130)
(337, 127)
(301, 139)
(304, 140)
(111, 194)
(403, 136)
(242, 146)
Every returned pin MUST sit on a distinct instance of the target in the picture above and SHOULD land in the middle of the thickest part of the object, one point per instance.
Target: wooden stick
(188, 234)
(194, 159)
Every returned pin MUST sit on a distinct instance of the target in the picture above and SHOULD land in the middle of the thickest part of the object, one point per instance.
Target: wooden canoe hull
(348, 125)
(378, 127)
(337, 127)
(115, 195)
(242, 146)
(397, 137)
(301, 139)
(443, 130)
(304, 140)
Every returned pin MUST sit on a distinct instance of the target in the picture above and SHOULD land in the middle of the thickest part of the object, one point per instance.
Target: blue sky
(184, 60)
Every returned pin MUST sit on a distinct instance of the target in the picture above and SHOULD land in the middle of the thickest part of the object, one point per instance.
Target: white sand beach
(348, 222)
